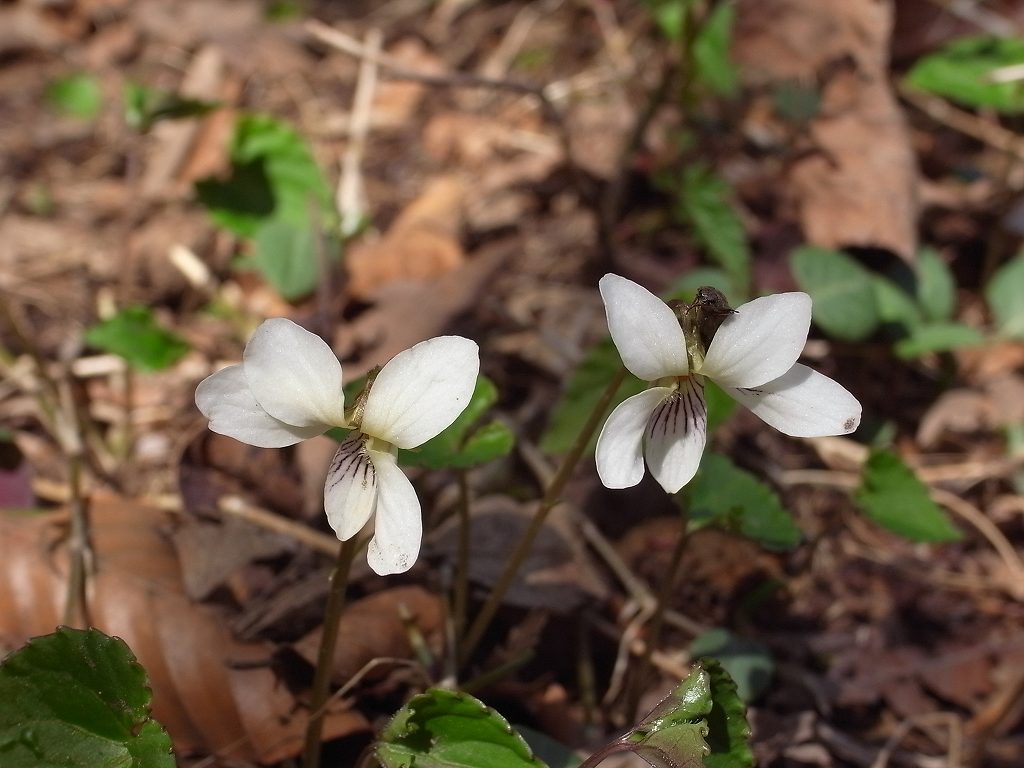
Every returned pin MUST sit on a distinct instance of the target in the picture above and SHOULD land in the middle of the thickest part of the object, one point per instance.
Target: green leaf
(581, 394)
(704, 202)
(843, 292)
(937, 337)
(273, 175)
(892, 496)
(670, 16)
(729, 732)
(76, 95)
(714, 66)
(552, 753)
(143, 107)
(702, 721)
(722, 494)
(895, 306)
(796, 101)
(961, 72)
(78, 699)
(1003, 294)
(286, 255)
(466, 443)
(936, 288)
(133, 333)
(747, 661)
(448, 729)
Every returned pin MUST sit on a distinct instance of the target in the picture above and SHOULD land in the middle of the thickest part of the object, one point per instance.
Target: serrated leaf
(728, 730)
(936, 288)
(842, 290)
(144, 107)
(273, 176)
(937, 337)
(133, 333)
(748, 662)
(892, 496)
(286, 255)
(580, 396)
(722, 494)
(447, 729)
(704, 202)
(961, 71)
(711, 51)
(466, 443)
(1003, 294)
(78, 699)
(76, 95)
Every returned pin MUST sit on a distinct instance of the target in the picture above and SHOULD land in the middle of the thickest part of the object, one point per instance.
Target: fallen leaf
(213, 694)
(858, 135)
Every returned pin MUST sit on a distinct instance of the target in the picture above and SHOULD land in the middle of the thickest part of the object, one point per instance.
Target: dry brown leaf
(422, 243)
(395, 102)
(857, 184)
(372, 628)
(213, 694)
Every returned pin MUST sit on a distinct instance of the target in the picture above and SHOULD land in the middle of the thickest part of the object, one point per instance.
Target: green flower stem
(551, 497)
(643, 669)
(325, 658)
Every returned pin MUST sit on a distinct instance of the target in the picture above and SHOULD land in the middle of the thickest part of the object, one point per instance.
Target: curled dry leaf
(859, 134)
(423, 242)
(213, 694)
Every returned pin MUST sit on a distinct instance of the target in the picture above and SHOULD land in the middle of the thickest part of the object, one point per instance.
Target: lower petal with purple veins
(675, 435)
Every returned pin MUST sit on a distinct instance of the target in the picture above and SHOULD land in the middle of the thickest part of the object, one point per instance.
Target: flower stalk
(551, 497)
(325, 657)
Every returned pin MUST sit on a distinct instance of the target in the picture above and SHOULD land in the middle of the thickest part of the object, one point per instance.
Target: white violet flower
(288, 389)
(753, 356)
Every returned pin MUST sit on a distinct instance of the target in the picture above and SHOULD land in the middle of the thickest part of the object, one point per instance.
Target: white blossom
(753, 357)
(288, 388)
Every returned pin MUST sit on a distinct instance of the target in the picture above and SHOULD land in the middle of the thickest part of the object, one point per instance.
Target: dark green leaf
(286, 254)
(937, 337)
(704, 201)
(892, 496)
(796, 101)
(729, 733)
(143, 107)
(747, 661)
(961, 71)
(552, 753)
(722, 494)
(78, 699)
(714, 66)
(581, 394)
(448, 729)
(134, 334)
(936, 288)
(76, 95)
(843, 292)
(1004, 294)
(273, 175)
(467, 442)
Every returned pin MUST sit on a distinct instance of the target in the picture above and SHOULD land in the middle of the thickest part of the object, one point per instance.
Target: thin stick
(325, 658)
(461, 598)
(547, 502)
(398, 69)
(315, 540)
(350, 195)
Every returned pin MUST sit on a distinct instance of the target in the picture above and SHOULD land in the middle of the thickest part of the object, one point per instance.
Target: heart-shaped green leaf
(448, 729)
(844, 297)
(134, 334)
(78, 699)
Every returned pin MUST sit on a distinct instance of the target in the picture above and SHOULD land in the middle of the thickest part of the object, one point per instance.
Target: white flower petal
(422, 391)
(644, 329)
(803, 403)
(676, 435)
(225, 399)
(620, 461)
(398, 527)
(294, 375)
(760, 342)
(350, 491)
